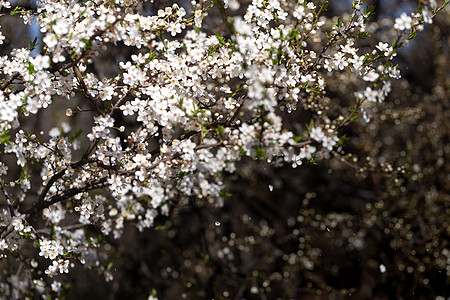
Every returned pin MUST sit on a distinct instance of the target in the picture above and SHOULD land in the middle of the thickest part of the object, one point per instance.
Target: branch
(8, 200)
(8, 81)
(85, 88)
(84, 160)
(92, 38)
(39, 206)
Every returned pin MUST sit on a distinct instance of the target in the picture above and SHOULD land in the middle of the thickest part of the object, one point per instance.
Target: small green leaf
(151, 56)
(310, 125)
(242, 152)
(260, 153)
(225, 194)
(220, 129)
(109, 266)
(5, 140)
(153, 293)
(370, 11)
(33, 44)
(17, 10)
(353, 118)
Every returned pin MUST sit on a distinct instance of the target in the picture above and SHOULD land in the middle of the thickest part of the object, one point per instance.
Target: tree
(165, 121)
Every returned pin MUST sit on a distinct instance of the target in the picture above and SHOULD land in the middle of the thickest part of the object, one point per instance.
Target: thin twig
(85, 88)
(8, 200)
(8, 81)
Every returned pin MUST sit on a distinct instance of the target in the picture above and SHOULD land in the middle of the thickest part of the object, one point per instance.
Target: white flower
(317, 134)
(383, 47)
(371, 76)
(299, 12)
(17, 222)
(56, 286)
(5, 4)
(427, 16)
(340, 61)
(3, 244)
(357, 62)
(370, 94)
(3, 169)
(50, 40)
(61, 27)
(311, 5)
(256, 91)
(40, 62)
(403, 23)
(306, 152)
(329, 141)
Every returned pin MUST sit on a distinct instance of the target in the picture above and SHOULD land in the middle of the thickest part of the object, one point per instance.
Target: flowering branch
(178, 112)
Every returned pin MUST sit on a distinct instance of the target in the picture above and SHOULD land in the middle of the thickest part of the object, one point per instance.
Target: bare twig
(8, 81)
(8, 200)
(41, 205)
(85, 88)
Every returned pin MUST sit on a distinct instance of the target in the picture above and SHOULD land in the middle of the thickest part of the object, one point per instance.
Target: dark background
(331, 230)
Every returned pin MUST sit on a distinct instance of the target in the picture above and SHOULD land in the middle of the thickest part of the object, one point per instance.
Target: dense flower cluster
(198, 104)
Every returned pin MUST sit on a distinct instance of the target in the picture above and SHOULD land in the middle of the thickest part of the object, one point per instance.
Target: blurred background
(371, 225)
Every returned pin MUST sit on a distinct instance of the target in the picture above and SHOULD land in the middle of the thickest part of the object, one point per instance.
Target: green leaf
(205, 130)
(242, 152)
(221, 39)
(220, 129)
(313, 159)
(394, 44)
(260, 153)
(370, 11)
(33, 44)
(109, 266)
(76, 135)
(183, 174)
(342, 140)
(161, 227)
(225, 194)
(30, 68)
(363, 35)
(5, 140)
(17, 10)
(297, 139)
(310, 125)
(151, 56)
(353, 118)
(107, 105)
(412, 35)
(153, 293)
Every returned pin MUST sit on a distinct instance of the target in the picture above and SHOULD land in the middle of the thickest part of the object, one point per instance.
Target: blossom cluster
(198, 105)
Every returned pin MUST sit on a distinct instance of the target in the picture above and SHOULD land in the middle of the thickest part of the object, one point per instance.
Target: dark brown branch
(82, 55)
(39, 206)
(8, 81)
(84, 160)
(57, 176)
(85, 89)
(8, 200)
